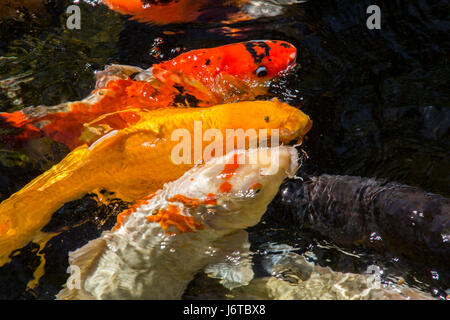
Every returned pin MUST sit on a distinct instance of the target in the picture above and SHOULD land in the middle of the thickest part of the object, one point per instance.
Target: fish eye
(261, 72)
(255, 188)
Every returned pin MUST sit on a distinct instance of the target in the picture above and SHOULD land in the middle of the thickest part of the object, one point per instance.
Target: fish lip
(305, 131)
(294, 163)
(288, 135)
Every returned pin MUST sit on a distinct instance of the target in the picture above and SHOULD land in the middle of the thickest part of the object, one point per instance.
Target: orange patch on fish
(225, 187)
(230, 168)
(172, 217)
(211, 199)
(188, 202)
(124, 214)
(228, 171)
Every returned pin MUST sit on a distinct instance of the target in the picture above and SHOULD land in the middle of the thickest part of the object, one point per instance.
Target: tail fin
(18, 120)
(28, 210)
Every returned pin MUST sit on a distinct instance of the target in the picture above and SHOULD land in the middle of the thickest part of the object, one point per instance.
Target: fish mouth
(304, 131)
(290, 65)
(287, 134)
(293, 60)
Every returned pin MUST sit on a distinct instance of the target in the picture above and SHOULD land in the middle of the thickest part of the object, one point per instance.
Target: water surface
(379, 100)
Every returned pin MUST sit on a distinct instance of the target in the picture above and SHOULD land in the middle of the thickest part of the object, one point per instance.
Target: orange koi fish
(229, 73)
(179, 11)
(136, 161)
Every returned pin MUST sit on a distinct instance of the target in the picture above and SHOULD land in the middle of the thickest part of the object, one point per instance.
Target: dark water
(379, 99)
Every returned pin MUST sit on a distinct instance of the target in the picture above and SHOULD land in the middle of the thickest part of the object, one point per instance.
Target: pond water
(379, 100)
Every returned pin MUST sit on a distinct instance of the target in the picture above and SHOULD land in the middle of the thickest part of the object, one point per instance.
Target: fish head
(233, 191)
(260, 59)
(271, 118)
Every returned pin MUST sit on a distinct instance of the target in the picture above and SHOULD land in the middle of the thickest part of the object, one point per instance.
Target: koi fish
(137, 160)
(159, 12)
(229, 73)
(180, 11)
(386, 216)
(165, 240)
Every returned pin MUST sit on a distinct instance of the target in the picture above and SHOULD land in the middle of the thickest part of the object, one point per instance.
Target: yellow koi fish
(135, 161)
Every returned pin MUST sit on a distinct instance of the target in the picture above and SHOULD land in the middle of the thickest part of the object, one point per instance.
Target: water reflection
(378, 98)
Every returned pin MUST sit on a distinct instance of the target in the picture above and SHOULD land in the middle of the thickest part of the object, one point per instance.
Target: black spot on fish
(251, 48)
(285, 45)
(208, 61)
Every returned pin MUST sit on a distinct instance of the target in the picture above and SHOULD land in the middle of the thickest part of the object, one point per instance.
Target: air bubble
(155, 52)
(374, 237)
(434, 275)
(158, 41)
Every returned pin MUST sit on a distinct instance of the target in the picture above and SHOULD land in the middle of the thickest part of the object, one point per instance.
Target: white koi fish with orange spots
(194, 222)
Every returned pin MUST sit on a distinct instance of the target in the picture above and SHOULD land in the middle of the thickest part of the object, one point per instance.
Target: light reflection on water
(378, 100)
